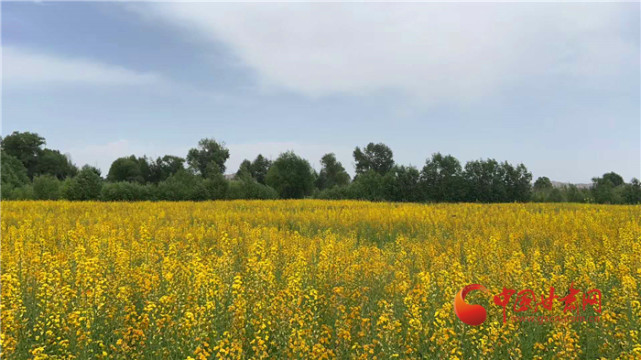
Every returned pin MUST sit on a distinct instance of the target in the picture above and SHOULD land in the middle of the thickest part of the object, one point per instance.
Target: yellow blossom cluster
(311, 279)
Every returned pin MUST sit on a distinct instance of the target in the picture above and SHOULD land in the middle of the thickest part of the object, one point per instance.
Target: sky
(555, 86)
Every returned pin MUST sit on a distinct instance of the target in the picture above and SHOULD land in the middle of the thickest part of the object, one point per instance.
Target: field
(314, 279)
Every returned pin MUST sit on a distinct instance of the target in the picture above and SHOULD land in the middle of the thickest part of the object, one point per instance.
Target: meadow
(308, 279)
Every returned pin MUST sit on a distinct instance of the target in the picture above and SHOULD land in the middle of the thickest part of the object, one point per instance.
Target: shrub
(46, 187)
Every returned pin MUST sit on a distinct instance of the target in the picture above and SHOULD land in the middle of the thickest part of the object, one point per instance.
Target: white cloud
(22, 67)
(433, 52)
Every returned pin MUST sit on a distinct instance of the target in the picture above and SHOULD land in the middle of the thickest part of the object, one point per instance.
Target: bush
(127, 191)
(250, 189)
(182, 186)
(85, 186)
(216, 187)
(46, 187)
(24, 192)
(291, 176)
(336, 193)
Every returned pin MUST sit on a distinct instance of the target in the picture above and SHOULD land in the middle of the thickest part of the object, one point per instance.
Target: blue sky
(555, 86)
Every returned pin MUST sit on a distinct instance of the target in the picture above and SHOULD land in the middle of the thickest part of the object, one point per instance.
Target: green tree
(291, 176)
(442, 179)
(46, 187)
(52, 162)
(259, 168)
(518, 182)
(209, 151)
(87, 185)
(375, 157)
(244, 170)
(632, 192)
(402, 184)
(130, 169)
(613, 178)
(332, 173)
(216, 186)
(126, 191)
(13, 174)
(608, 189)
(26, 147)
(164, 167)
(183, 185)
(542, 183)
(368, 186)
(248, 188)
(484, 181)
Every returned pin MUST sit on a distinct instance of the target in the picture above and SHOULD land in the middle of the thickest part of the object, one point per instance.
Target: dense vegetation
(31, 171)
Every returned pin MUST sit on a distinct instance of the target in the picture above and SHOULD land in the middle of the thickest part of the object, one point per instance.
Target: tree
(13, 174)
(52, 162)
(209, 152)
(26, 147)
(484, 181)
(518, 182)
(442, 179)
(608, 189)
(613, 178)
(245, 170)
(542, 183)
(632, 192)
(164, 167)
(216, 186)
(259, 168)
(46, 187)
(130, 169)
(376, 157)
(256, 170)
(84, 186)
(402, 184)
(126, 191)
(332, 173)
(291, 176)
(183, 185)
(368, 186)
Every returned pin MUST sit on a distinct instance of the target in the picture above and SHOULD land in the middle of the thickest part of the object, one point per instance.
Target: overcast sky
(555, 86)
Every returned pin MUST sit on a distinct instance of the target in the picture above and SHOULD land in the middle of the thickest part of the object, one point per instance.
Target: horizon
(108, 80)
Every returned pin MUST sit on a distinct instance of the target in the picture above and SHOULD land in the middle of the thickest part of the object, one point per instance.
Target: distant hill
(558, 184)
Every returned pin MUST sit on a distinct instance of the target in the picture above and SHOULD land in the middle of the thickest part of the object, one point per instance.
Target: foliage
(250, 189)
(87, 185)
(183, 185)
(26, 147)
(127, 191)
(291, 176)
(542, 183)
(332, 173)
(208, 158)
(13, 174)
(46, 187)
(374, 157)
(442, 179)
(164, 167)
(130, 169)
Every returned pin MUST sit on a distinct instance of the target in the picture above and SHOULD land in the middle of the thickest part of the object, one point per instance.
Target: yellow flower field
(312, 279)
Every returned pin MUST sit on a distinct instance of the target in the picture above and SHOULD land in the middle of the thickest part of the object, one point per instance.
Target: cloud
(432, 52)
(21, 67)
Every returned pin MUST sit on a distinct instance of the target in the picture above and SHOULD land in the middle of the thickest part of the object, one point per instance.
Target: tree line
(32, 171)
